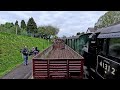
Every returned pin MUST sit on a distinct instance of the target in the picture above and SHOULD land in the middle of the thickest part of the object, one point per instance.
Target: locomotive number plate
(106, 68)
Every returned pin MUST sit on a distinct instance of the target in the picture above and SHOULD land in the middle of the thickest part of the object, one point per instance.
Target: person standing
(25, 53)
(32, 51)
(36, 51)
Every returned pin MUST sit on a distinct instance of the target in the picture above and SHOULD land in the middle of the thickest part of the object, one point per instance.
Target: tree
(23, 25)
(16, 23)
(109, 18)
(31, 27)
(7, 27)
(23, 32)
(17, 28)
(10, 28)
(48, 31)
(12, 24)
(78, 33)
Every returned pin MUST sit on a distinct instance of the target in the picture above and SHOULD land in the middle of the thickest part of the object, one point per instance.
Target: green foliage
(55, 37)
(109, 18)
(8, 25)
(31, 26)
(18, 30)
(8, 28)
(45, 32)
(23, 32)
(3, 29)
(52, 30)
(48, 31)
(16, 23)
(23, 25)
(12, 30)
(10, 45)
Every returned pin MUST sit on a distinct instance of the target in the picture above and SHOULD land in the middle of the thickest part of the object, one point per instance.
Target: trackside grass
(10, 46)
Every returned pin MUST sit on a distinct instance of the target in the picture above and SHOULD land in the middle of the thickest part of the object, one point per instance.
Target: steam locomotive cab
(103, 55)
(108, 57)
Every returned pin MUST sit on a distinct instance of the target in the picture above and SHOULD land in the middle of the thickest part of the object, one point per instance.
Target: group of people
(25, 53)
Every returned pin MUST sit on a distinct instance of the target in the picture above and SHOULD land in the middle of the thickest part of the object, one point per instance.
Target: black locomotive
(101, 51)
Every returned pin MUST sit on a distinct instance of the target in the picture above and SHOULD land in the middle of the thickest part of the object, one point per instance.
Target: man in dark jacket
(25, 53)
(36, 51)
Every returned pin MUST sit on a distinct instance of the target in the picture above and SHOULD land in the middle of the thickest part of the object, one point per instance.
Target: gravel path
(21, 72)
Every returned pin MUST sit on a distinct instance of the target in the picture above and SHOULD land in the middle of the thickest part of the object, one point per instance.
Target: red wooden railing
(57, 68)
(61, 65)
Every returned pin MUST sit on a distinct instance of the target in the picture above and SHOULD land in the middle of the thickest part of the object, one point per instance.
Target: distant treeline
(29, 29)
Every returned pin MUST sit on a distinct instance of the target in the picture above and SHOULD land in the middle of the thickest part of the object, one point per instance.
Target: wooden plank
(60, 62)
(64, 53)
(41, 67)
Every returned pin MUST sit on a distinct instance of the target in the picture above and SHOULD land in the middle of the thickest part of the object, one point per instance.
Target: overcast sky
(69, 22)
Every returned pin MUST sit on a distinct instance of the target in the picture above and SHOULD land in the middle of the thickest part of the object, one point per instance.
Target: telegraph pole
(43, 42)
(16, 29)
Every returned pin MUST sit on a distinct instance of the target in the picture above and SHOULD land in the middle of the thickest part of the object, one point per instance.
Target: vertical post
(43, 42)
(16, 29)
(33, 68)
(73, 44)
(67, 68)
(82, 63)
(48, 69)
(48, 41)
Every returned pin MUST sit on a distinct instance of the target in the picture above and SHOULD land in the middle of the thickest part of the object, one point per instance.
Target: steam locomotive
(101, 51)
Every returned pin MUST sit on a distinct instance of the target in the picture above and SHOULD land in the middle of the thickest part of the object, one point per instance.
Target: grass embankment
(10, 46)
